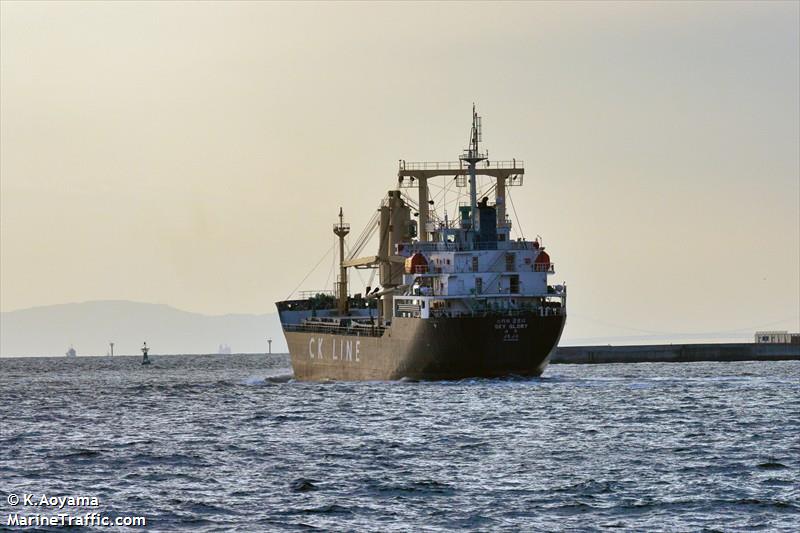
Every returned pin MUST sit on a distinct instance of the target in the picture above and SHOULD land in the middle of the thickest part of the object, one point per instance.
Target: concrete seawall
(676, 353)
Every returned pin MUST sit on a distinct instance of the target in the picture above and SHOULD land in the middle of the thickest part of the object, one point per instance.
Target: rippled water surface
(230, 443)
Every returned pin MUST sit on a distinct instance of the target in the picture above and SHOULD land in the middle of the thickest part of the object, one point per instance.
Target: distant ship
(460, 298)
(71, 352)
(224, 349)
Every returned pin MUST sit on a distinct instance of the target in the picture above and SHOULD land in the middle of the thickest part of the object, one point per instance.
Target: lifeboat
(416, 264)
(542, 262)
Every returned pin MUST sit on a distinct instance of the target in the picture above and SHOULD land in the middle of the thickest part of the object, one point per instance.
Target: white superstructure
(465, 264)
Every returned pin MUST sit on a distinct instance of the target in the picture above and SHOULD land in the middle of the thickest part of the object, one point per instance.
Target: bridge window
(475, 263)
(510, 262)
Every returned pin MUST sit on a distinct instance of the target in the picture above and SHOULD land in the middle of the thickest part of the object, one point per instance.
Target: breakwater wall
(676, 353)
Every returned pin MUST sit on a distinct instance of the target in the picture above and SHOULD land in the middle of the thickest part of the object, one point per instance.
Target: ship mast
(506, 174)
(472, 156)
(341, 229)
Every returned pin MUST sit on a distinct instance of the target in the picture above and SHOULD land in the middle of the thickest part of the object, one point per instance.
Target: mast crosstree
(471, 163)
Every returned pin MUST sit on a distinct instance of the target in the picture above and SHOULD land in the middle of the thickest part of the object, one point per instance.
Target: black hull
(430, 349)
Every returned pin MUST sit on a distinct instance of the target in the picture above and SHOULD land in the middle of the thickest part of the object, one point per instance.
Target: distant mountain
(90, 326)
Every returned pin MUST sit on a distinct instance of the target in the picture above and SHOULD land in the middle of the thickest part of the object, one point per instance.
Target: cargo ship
(458, 296)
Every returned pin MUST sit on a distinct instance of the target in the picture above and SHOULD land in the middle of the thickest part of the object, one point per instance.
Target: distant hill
(89, 326)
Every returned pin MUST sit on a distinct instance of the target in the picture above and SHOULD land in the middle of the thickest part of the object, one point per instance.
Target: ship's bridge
(455, 279)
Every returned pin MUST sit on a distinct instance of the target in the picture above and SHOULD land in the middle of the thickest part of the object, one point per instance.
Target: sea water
(232, 443)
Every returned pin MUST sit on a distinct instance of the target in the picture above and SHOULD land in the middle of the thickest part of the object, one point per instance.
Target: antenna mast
(472, 156)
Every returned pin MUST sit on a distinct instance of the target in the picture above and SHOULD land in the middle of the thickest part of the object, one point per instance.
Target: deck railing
(359, 331)
(458, 165)
(467, 247)
(480, 313)
(378, 331)
(311, 294)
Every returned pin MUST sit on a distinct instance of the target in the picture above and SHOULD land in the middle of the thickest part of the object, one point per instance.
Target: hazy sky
(196, 154)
